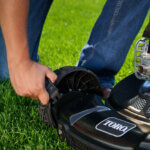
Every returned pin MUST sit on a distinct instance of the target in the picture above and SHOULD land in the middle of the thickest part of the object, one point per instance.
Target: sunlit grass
(66, 30)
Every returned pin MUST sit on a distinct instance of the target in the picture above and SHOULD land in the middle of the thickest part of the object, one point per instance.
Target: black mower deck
(84, 121)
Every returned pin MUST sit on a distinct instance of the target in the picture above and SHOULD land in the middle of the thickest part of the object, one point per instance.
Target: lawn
(66, 30)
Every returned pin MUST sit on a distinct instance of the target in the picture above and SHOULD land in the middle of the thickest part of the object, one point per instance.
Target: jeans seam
(115, 14)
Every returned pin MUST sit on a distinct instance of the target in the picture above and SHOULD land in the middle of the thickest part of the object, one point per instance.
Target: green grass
(66, 30)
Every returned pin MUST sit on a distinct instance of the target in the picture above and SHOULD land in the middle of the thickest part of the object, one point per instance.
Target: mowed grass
(66, 30)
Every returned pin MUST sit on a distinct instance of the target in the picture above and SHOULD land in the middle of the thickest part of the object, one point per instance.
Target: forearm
(27, 77)
(13, 20)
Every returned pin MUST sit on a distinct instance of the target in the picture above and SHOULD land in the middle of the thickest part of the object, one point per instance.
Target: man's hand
(28, 79)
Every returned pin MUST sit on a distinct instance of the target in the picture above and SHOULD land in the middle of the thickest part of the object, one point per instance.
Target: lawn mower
(81, 117)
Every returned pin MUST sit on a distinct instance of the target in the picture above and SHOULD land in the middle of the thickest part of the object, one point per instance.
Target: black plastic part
(77, 79)
(147, 139)
(129, 95)
(124, 91)
(52, 90)
(84, 127)
(144, 146)
(80, 115)
(81, 143)
(45, 111)
(69, 78)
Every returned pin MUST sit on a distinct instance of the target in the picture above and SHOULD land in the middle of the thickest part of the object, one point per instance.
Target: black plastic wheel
(77, 79)
(70, 79)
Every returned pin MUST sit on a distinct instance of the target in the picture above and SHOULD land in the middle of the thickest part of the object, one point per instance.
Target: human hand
(28, 79)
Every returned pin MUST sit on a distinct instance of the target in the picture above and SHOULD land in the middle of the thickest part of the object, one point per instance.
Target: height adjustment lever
(52, 90)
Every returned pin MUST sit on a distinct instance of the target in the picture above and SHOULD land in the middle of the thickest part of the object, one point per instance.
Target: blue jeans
(38, 10)
(112, 36)
(109, 41)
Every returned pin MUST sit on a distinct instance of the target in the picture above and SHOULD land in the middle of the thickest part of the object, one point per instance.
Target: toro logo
(114, 126)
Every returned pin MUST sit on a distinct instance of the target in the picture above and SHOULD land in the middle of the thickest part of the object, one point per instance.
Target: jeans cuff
(106, 85)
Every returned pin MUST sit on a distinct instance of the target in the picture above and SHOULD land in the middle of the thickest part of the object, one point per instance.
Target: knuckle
(47, 68)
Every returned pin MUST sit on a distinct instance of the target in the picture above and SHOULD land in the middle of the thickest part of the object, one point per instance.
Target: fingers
(42, 93)
(44, 97)
(51, 75)
(29, 81)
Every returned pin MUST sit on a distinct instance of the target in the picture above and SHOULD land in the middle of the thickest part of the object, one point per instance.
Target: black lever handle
(45, 111)
(52, 90)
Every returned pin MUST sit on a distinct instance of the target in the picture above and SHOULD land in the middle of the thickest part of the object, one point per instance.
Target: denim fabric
(38, 10)
(112, 36)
